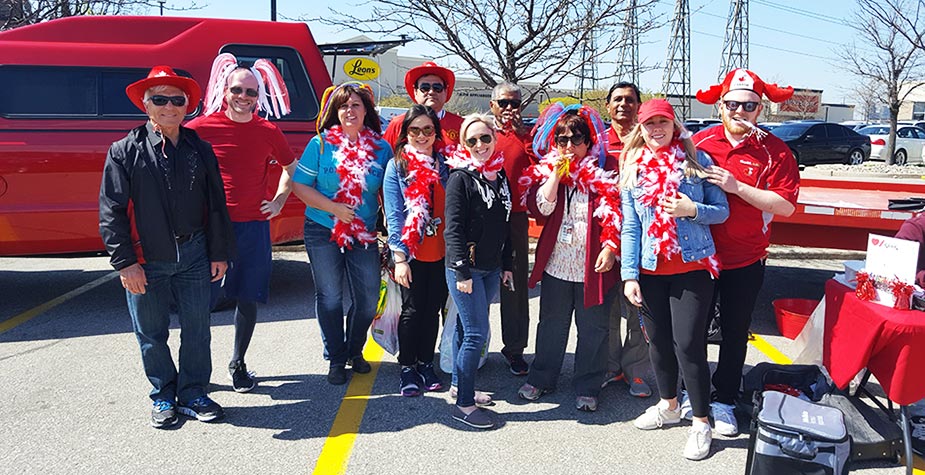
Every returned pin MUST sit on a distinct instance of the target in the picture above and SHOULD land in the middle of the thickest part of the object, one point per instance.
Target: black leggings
(420, 312)
(245, 320)
(676, 324)
(738, 291)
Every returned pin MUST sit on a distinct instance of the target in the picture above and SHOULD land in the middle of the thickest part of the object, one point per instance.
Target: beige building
(913, 108)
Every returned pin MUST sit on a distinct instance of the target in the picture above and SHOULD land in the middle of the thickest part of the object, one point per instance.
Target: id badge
(565, 233)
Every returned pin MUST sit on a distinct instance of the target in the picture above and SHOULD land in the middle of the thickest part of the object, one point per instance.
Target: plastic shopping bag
(384, 329)
(449, 342)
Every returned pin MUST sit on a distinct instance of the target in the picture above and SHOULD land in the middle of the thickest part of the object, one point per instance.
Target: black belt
(183, 238)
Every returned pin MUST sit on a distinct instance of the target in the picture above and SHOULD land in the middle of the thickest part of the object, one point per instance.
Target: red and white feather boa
(659, 177)
(459, 157)
(589, 178)
(353, 163)
(422, 176)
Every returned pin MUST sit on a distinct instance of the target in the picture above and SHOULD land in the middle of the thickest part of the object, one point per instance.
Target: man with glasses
(761, 179)
(429, 85)
(164, 222)
(515, 144)
(247, 147)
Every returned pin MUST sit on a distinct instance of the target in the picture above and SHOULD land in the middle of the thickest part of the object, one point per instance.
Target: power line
(770, 47)
(776, 30)
(797, 11)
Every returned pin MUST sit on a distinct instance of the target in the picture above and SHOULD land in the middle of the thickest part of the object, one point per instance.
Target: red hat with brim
(164, 76)
(413, 74)
(743, 79)
(655, 107)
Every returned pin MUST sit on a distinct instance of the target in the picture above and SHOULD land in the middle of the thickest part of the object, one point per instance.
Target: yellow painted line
(337, 448)
(24, 317)
(773, 353)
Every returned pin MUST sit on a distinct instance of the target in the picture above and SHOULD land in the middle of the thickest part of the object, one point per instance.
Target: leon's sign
(363, 69)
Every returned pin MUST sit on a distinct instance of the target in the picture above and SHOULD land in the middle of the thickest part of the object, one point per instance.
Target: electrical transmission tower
(588, 75)
(735, 44)
(628, 60)
(676, 81)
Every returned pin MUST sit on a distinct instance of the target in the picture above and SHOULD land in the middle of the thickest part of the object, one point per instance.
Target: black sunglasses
(504, 103)
(238, 90)
(159, 100)
(576, 139)
(426, 86)
(731, 106)
(486, 139)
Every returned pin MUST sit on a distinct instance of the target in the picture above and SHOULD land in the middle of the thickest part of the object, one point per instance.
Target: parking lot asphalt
(74, 396)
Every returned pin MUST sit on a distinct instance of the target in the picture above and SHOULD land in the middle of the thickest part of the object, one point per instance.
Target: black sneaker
(360, 365)
(203, 409)
(519, 366)
(337, 374)
(242, 380)
(410, 382)
(432, 382)
(163, 414)
(479, 418)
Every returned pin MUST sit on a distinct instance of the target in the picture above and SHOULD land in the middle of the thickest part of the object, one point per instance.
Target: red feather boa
(459, 157)
(422, 176)
(353, 163)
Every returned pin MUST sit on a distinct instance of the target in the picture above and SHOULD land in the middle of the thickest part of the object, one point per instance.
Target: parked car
(813, 142)
(915, 123)
(910, 142)
(769, 126)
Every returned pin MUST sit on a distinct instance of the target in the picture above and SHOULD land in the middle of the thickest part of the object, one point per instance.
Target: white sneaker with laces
(724, 419)
(699, 437)
(686, 411)
(656, 417)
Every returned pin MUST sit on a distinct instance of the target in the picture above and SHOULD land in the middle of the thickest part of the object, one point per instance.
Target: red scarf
(353, 163)
(459, 157)
(422, 177)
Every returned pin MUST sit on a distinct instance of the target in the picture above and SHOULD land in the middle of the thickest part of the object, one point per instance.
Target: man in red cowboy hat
(761, 179)
(432, 86)
(164, 222)
(247, 147)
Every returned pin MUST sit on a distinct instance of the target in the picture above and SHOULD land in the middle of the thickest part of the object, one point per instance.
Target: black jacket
(477, 213)
(133, 199)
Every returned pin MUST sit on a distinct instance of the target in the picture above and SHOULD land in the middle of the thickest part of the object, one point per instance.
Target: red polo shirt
(518, 155)
(614, 144)
(767, 164)
(449, 125)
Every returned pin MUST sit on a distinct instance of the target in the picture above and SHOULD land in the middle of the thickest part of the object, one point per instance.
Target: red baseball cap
(430, 67)
(164, 76)
(655, 107)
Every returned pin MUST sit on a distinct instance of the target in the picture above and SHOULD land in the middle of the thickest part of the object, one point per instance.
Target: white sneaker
(724, 419)
(656, 417)
(686, 411)
(698, 442)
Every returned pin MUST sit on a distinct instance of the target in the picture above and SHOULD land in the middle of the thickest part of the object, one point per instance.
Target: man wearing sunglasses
(515, 143)
(164, 222)
(248, 147)
(761, 179)
(429, 85)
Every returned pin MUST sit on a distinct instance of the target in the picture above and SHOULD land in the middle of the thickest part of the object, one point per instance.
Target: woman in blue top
(667, 261)
(338, 178)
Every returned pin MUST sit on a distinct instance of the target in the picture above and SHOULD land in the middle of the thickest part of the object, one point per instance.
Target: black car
(814, 142)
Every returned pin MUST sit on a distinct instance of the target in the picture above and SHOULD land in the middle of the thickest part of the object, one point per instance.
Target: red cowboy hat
(164, 76)
(744, 79)
(429, 67)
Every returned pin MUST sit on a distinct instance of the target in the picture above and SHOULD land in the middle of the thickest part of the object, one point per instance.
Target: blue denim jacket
(694, 236)
(393, 201)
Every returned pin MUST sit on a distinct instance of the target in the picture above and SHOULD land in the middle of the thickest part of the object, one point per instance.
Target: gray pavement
(74, 397)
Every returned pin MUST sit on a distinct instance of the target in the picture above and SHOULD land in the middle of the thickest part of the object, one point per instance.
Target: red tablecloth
(890, 343)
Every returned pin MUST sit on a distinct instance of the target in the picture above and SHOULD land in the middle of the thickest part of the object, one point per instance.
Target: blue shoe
(163, 414)
(203, 409)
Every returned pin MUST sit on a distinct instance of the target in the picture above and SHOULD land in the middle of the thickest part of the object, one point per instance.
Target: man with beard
(432, 86)
(761, 179)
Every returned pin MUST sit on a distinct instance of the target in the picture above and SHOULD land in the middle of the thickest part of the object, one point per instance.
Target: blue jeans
(473, 320)
(330, 267)
(188, 282)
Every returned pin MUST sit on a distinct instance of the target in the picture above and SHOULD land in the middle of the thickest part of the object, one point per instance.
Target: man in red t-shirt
(628, 359)
(515, 144)
(246, 146)
(429, 85)
(761, 179)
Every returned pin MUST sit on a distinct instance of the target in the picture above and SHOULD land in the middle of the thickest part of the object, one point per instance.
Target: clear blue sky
(791, 42)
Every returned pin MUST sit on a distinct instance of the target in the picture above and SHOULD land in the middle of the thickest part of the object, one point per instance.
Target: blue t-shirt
(319, 170)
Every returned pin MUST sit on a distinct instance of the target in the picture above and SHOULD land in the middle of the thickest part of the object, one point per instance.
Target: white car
(910, 142)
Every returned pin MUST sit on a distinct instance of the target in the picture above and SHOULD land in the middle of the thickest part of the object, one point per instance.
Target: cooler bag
(794, 436)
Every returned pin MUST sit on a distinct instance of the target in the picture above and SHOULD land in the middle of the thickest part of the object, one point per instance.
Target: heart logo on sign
(875, 241)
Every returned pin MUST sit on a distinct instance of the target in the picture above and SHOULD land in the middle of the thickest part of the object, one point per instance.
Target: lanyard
(569, 193)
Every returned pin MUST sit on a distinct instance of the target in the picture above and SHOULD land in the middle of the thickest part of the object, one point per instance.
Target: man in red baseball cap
(165, 225)
(761, 179)
(432, 86)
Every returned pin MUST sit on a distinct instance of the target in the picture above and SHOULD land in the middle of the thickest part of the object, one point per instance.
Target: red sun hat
(430, 67)
(164, 76)
(743, 79)
(655, 107)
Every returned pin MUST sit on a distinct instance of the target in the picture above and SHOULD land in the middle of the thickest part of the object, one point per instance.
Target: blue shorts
(248, 276)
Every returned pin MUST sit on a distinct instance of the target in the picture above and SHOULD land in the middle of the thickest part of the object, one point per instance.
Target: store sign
(363, 69)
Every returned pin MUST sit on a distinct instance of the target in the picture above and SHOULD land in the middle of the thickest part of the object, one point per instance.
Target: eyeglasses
(504, 103)
(426, 131)
(238, 90)
(731, 106)
(576, 139)
(486, 139)
(159, 100)
(426, 87)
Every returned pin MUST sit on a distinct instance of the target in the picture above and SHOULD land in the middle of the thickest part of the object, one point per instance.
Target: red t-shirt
(518, 155)
(245, 152)
(433, 248)
(767, 164)
(449, 125)
(673, 266)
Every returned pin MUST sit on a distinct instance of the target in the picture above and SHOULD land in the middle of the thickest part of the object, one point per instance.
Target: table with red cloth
(888, 342)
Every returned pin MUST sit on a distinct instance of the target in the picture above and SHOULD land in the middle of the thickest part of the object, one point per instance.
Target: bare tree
(889, 56)
(15, 13)
(869, 96)
(503, 40)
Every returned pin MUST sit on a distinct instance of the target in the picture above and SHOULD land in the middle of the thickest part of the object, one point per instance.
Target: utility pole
(162, 6)
(676, 81)
(588, 59)
(272, 10)
(628, 57)
(735, 44)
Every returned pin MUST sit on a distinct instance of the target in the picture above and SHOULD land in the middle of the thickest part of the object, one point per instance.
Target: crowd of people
(644, 226)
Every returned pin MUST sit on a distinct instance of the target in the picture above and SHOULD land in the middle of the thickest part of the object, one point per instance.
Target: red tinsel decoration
(422, 176)
(865, 289)
(902, 292)
(353, 163)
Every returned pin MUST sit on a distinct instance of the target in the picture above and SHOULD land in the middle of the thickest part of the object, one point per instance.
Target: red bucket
(792, 315)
